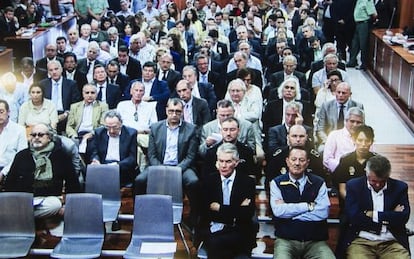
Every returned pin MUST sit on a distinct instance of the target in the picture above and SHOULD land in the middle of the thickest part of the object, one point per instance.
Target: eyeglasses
(174, 111)
(38, 134)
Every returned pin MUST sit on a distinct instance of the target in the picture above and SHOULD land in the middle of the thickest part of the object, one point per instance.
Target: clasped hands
(215, 206)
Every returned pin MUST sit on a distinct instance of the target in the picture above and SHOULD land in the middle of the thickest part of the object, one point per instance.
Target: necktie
(226, 191)
(112, 81)
(88, 67)
(187, 114)
(297, 184)
(164, 75)
(55, 94)
(340, 123)
(204, 78)
(100, 93)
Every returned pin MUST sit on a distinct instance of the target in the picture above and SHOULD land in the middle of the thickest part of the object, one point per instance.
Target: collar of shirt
(232, 177)
(89, 104)
(120, 131)
(168, 126)
(380, 192)
(58, 81)
(150, 81)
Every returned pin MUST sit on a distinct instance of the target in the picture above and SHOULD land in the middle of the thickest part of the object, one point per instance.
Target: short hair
(112, 114)
(27, 61)
(334, 72)
(290, 58)
(156, 24)
(8, 9)
(379, 165)
(295, 105)
(190, 68)
(85, 85)
(367, 130)
(237, 82)
(231, 119)
(356, 111)
(70, 54)
(123, 48)
(330, 56)
(6, 104)
(293, 79)
(151, 64)
(326, 46)
(225, 104)
(175, 101)
(213, 33)
(113, 63)
(243, 72)
(137, 82)
(112, 30)
(94, 46)
(54, 62)
(298, 148)
(242, 54)
(228, 148)
(61, 38)
(98, 66)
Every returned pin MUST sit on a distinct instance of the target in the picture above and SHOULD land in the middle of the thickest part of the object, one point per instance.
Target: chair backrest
(153, 218)
(165, 180)
(83, 216)
(16, 214)
(103, 179)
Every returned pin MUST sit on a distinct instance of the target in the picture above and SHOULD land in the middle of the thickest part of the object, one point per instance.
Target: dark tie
(340, 123)
(88, 67)
(112, 81)
(100, 93)
(164, 75)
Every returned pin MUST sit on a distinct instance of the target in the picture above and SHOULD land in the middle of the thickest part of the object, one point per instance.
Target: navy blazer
(127, 150)
(70, 92)
(187, 144)
(358, 200)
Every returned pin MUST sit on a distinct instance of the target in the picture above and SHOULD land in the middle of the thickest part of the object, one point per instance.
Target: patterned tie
(226, 191)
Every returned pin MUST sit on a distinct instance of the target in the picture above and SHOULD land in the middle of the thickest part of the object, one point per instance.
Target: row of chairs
(83, 235)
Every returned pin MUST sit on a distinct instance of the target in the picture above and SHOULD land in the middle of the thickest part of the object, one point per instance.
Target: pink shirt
(339, 143)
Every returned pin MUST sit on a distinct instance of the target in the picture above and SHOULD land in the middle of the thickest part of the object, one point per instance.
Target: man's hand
(147, 98)
(214, 206)
(399, 208)
(299, 119)
(246, 202)
(95, 162)
(87, 136)
(210, 141)
(369, 213)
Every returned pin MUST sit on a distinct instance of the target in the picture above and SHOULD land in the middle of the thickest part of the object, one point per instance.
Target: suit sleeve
(190, 152)
(130, 159)
(162, 93)
(152, 149)
(71, 124)
(397, 218)
(320, 127)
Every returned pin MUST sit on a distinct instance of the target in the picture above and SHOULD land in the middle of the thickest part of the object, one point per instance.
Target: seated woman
(37, 110)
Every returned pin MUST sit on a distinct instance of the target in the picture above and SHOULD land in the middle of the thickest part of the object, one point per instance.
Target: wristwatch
(311, 206)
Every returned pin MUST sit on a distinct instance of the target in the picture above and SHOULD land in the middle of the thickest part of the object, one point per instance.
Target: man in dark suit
(167, 74)
(196, 110)
(228, 208)
(117, 78)
(87, 65)
(241, 58)
(115, 143)
(289, 69)
(242, 35)
(378, 209)
(189, 38)
(51, 54)
(128, 65)
(206, 75)
(9, 24)
(114, 40)
(156, 33)
(173, 142)
(71, 72)
(230, 129)
(108, 93)
(155, 90)
(63, 92)
(218, 46)
(200, 90)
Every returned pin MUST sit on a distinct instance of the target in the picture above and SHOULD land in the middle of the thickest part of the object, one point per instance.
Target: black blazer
(201, 112)
(173, 77)
(133, 70)
(113, 95)
(277, 78)
(41, 65)
(80, 79)
(83, 65)
(70, 92)
(258, 80)
(122, 81)
(207, 93)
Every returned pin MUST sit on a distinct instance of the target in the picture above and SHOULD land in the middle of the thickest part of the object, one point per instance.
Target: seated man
(228, 206)
(42, 169)
(173, 142)
(339, 141)
(12, 139)
(300, 204)
(377, 207)
(230, 131)
(115, 143)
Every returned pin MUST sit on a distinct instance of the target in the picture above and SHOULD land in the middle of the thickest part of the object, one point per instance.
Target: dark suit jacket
(274, 64)
(133, 68)
(70, 92)
(83, 65)
(80, 79)
(241, 216)
(187, 144)
(201, 112)
(127, 151)
(277, 78)
(220, 86)
(358, 200)
(273, 114)
(189, 39)
(222, 51)
(277, 137)
(207, 93)
(6, 29)
(173, 77)
(113, 95)
(122, 81)
(245, 166)
(41, 65)
(258, 80)
(160, 34)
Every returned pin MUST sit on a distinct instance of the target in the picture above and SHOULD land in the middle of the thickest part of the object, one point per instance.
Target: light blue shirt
(299, 211)
(171, 146)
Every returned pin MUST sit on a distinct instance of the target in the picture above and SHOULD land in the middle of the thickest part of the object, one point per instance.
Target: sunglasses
(39, 134)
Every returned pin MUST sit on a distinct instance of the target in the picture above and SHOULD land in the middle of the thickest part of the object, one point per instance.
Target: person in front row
(115, 143)
(300, 204)
(42, 169)
(173, 142)
(228, 207)
(378, 209)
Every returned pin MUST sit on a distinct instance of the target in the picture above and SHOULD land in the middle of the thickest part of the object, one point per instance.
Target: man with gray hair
(339, 142)
(241, 59)
(87, 64)
(331, 62)
(115, 143)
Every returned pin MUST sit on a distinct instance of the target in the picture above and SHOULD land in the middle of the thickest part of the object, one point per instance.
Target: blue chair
(153, 222)
(17, 227)
(83, 233)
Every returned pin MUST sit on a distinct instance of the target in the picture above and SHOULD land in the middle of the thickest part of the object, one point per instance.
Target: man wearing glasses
(173, 142)
(42, 169)
(115, 143)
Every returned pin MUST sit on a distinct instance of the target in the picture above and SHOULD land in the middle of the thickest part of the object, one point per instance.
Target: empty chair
(83, 233)
(168, 180)
(153, 222)
(104, 179)
(17, 227)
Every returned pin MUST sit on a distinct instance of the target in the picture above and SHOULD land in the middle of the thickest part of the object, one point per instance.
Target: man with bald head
(51, 54)
(332, 113)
